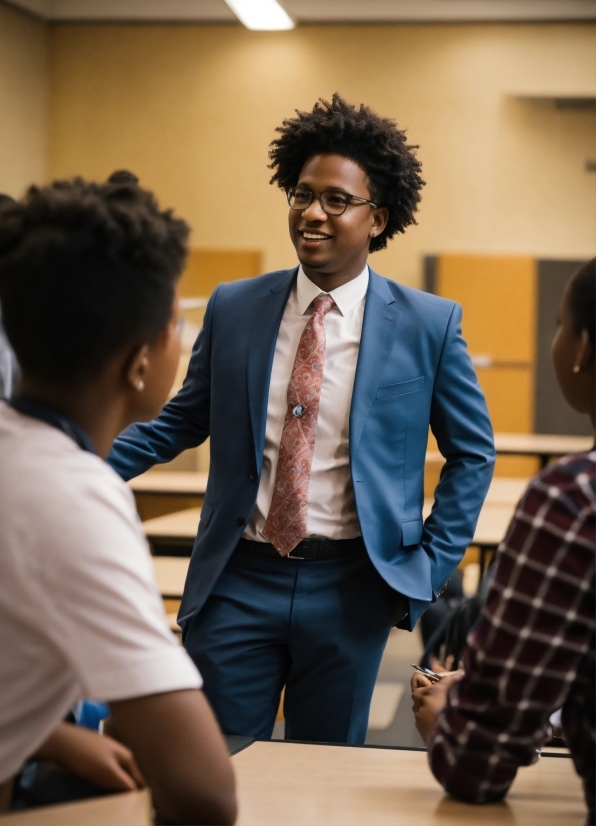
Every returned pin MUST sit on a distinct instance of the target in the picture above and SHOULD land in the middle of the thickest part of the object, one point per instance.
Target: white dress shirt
(331, 505)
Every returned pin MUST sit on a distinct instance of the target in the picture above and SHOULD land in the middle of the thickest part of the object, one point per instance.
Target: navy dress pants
(317, 627)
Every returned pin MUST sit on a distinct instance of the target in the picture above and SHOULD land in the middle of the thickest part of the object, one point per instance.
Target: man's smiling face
(333, 248)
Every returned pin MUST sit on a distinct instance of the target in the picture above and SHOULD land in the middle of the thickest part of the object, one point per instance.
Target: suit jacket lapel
(268, 310)
(379, 329)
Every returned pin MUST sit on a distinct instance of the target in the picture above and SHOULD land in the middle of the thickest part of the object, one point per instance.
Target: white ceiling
(316, 11)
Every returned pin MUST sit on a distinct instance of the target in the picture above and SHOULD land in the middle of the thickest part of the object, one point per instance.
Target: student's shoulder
(44, 473)
(562, 497)
(572, 477)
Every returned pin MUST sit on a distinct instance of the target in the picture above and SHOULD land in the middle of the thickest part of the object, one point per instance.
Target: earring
(140, 385)
(374, 233)
(576, 368)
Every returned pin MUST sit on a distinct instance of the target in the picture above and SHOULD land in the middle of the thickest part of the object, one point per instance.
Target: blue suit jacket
(413, 370)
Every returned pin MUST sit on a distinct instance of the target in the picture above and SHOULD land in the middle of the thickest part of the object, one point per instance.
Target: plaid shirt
(532, 650)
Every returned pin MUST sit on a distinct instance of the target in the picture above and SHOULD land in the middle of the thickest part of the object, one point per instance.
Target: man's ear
(137, 368)
(380, 219)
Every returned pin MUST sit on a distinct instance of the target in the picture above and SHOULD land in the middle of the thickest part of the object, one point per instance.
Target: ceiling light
(261, 15)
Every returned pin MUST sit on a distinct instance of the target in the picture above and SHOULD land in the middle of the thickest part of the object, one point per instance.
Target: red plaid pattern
(532, 650)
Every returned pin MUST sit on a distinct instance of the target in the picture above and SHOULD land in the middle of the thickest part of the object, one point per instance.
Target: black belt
(308, 548)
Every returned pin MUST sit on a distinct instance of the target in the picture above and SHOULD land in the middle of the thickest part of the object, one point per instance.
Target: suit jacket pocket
(411, 532)
(401, 388)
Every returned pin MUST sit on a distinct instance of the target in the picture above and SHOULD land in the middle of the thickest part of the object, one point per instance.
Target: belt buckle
(290, 556)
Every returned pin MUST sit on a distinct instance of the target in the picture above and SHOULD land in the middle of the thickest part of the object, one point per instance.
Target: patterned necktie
(286, 521)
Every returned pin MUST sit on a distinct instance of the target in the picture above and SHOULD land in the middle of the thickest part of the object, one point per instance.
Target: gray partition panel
(430, 274)
(553, 414)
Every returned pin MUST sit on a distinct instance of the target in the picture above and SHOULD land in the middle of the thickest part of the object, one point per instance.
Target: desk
(170, 575)
(506, 490)
(317, 785)
(170, 571)
(180, 528)
(544, 446)
(192, 484)
(128, 809)
(174, 530)
(494, 518)
(178, 482)
(159, 492)
(502, 488)
(492, 525)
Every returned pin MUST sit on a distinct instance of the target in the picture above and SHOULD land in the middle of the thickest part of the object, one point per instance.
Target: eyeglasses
(333, 203)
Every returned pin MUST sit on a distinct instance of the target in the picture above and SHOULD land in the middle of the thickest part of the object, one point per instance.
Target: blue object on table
(90, 714)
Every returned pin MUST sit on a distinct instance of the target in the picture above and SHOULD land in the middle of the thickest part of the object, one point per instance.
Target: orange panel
(498, 296)
(509, 393)
(523, 467)
(206, 269)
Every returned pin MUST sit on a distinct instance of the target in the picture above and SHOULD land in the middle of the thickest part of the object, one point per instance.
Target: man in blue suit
(317, 386)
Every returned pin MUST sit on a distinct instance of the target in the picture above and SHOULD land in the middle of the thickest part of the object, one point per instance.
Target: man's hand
(96, 758)
(429, 698)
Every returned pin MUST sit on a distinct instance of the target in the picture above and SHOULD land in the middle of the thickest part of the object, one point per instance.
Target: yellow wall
(192, 108)
(24, 98)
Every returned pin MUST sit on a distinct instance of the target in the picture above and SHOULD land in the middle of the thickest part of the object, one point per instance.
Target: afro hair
(376, 144)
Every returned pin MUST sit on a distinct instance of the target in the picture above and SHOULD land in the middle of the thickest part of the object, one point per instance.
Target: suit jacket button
(253, 477)
(240, 521)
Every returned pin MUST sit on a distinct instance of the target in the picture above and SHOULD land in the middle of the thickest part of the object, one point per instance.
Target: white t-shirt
(80, 614)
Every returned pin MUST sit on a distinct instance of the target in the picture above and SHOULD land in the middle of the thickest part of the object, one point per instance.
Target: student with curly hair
(317, 386)
(88, 277)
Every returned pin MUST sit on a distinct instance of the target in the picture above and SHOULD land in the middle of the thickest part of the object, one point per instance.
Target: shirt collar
(53, 417)
(346, 297)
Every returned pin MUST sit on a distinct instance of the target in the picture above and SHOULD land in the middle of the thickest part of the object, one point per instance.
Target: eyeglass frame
(292, 190)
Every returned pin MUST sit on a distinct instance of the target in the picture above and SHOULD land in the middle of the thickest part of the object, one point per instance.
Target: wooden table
(178, 482)
(181, 527)
(128, 809)
(170, 575)
(490, 530)
(317, 785)
(544, 446)
(502, 490)
(492, 523)
(506, 490)
(174, 530)
(159, 492)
